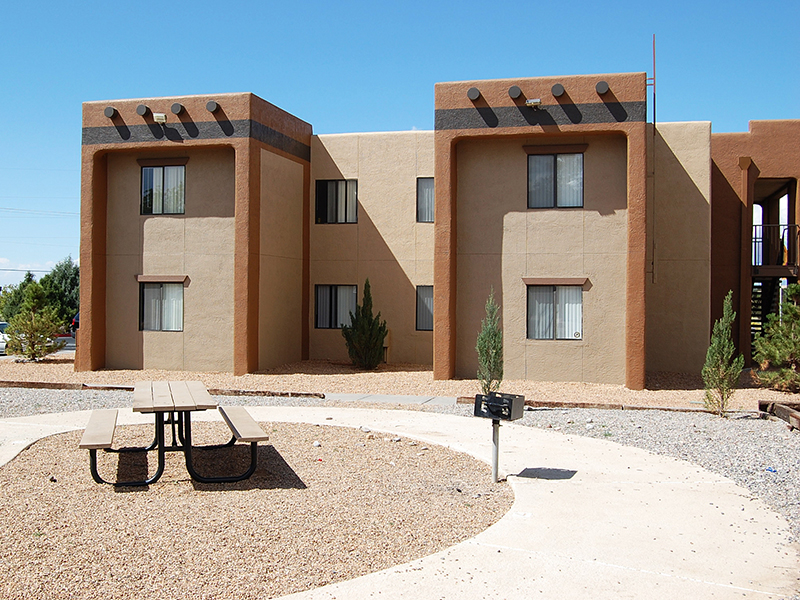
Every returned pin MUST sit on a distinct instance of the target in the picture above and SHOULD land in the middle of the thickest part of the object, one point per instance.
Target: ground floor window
(334, 303)
(161, 306)
(555, 312)
(424, 308)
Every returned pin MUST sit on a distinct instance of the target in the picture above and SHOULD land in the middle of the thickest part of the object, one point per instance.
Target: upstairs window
(555, 177)
(425, 200)
(334, 303)
(161, 306)
(555, 312)
(337, 201)
(163, 190)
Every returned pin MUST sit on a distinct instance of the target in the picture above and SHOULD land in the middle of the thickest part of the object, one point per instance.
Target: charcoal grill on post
(497, 407)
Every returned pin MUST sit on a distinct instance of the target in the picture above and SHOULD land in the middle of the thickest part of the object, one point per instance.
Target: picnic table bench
(178, 399)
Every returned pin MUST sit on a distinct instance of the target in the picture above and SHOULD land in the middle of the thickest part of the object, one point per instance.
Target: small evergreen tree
(722, 371)
(32, 331)
(777, 350)
(13, 296)
(365, 334)
(490, 348)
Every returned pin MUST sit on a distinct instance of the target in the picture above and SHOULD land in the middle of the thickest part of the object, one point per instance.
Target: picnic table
(172, 403)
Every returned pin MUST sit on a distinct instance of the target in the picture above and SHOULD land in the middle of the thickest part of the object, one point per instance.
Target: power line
(29, 211)
(25, 270)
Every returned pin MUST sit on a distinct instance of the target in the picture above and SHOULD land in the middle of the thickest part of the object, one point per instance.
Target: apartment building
(219, 234)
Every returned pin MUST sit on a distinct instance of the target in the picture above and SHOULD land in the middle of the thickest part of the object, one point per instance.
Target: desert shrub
(490, 348)
(365, 334)
(722, 371)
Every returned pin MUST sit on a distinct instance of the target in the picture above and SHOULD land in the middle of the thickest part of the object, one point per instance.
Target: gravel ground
(664, 389)
(327, 504)
(762, 455)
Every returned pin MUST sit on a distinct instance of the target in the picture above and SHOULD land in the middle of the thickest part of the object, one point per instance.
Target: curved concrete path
(591, 519)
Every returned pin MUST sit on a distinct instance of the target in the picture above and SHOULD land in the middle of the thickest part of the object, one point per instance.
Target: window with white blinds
(555, 180)
(333, 306)
(425, 202)
(555, 312)
(424, 308)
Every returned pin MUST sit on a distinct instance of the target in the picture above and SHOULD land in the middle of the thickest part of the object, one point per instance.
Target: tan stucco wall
(198, 244)
(500, 241)
(387, 245)
(679, 230)
(281, 261)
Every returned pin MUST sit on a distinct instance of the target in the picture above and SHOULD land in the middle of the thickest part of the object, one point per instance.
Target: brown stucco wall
(197, 244)
(582, 111)
(679, 222)
(281, 261)
(387, 245)
(244, 124)
(501, 241)
(768, 150)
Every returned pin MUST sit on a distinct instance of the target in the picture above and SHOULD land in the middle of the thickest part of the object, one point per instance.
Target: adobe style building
(219, 234)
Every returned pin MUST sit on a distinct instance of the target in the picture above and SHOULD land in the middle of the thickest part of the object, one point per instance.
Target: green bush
(490, 348)
(722, 371)
(777, 350)
(365, 334)
(32, 331)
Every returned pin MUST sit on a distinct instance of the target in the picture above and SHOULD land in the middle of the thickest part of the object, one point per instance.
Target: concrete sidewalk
(591, 519)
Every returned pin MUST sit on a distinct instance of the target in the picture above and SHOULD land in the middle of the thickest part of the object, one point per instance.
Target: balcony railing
(776, 245)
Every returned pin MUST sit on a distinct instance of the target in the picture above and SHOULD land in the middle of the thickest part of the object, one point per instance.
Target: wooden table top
(168, 396)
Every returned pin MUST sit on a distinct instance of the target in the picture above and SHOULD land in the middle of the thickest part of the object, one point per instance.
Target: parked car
(76, 322)
(3, 337)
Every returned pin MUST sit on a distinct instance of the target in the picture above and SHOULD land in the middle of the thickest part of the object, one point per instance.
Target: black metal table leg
(227, 479)
(159, 417)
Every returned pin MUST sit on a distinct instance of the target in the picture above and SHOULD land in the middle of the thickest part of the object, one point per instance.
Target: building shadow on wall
(372, 257)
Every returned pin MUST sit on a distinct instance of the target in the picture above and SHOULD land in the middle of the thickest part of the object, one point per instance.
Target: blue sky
(350, 66)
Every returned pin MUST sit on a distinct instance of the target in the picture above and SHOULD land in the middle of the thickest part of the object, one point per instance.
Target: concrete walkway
(591, 519)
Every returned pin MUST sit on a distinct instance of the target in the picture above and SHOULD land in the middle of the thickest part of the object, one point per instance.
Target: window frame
(322, 202)
(161, 164)
(555, 316)
(555, 152)
(433, 207)
(417, 320)
(144, 282)
(333, 303)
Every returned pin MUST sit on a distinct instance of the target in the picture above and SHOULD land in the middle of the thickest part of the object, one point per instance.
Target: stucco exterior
(386, 245)
(662, 232)
(679, 220)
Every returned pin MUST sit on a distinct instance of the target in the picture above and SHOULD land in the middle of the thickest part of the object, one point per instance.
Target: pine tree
(365, 334)
(13, 296)
(722, 371)
(777, 350)
(32, 331)
(62, 288)
(490, 348)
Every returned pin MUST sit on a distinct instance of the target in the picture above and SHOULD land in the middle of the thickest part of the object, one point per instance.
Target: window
(163, 190)
(424, 308)
(424, 199)
(161, 306)
(555, 312)
(555, 180)
(334, 305)
(337, 201)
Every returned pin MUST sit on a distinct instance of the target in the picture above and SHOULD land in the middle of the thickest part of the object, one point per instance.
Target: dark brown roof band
(557, 149)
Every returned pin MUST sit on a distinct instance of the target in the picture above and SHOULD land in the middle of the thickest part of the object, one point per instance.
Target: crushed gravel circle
(325, 505)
